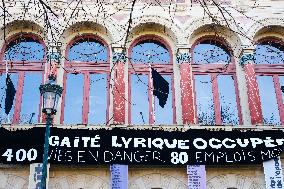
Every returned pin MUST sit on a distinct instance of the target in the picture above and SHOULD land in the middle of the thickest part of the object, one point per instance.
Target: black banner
(144, 147)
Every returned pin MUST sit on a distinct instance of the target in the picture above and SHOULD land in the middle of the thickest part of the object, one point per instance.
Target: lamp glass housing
(50, 93)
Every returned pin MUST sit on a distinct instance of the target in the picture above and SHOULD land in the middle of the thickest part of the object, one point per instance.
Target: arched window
(25, 58)
(148, 52)
(269, 60)
(85, 81)
(216, 94)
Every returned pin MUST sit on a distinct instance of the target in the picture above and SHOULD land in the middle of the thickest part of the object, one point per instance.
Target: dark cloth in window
(161, 88)
(10, 94)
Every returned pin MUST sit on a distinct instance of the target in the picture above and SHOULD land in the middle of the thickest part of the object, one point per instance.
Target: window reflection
(85, 51)
(269, 106)
(73, 99)
(24, 49)
(269, 53)
(228, 101)
(31, 98)
(164, 115)
(139, 99)
(98, 99)
(204, 100)
(150, 51)
(3, 117)
(208, 52)
(88, 50)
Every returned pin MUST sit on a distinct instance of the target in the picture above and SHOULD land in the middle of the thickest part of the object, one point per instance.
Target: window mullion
(151, 99)
(238, 100)
(217, 108)
(86, 95)
(279, 99)
(19, 95)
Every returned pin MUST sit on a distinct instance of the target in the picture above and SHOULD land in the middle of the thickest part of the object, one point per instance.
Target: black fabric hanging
(10, 94)
(161, 88)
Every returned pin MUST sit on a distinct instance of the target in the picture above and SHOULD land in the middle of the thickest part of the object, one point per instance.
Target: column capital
(247, 58)
(183, 57)
(119, 57)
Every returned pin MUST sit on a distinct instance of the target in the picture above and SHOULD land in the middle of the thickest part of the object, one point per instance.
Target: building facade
(223, 61)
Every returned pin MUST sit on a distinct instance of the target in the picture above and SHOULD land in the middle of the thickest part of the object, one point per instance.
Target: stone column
(243, 93)
(118, 88)
(186, 86)
(247, 61)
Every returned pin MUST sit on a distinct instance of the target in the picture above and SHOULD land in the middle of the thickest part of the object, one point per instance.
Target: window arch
(146, 51)
(25, 57)
(85, 81)
(215, 82)
(269, 61)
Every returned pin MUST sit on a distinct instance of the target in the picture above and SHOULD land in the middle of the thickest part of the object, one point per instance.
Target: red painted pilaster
(119, 94)
(187, 99)
(253, 94)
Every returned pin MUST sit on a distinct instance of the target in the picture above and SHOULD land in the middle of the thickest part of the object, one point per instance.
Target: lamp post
(50, 93)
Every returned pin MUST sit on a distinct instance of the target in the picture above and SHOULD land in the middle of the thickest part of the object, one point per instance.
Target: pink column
(187, 98)
(253, 94)
(119, 93)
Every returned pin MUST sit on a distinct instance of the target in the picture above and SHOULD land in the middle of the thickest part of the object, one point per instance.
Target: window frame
(23, 67)
(140, 68)
(86, 68)
(213, 70)
(275, 71)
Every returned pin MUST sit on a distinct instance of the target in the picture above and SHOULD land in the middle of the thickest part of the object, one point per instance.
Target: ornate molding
(119, 57)
(157, 180)
(183, 57)
(246, 58)
(234, 181)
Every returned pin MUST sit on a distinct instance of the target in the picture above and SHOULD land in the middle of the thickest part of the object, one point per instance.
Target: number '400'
(21, 154)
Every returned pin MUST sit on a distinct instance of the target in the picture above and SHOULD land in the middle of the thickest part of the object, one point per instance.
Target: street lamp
(50, 93)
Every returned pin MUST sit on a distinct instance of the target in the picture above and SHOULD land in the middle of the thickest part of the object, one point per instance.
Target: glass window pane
(74, 99)
(165, 115)
(139, 99)
(150, 51)
(209, 52)
(269, 105)
(3, 117)
(269, 53)
(31, 98)
(24, 49)
(228, 101)
(97, 99)
(88, 50)
(204, 100)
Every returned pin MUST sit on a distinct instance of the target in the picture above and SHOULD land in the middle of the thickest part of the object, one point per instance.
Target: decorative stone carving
(78, 181)
(246, 58)
(157, 180)
(183, 57)
(234, 181)
(119, 57)
(10, 181)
